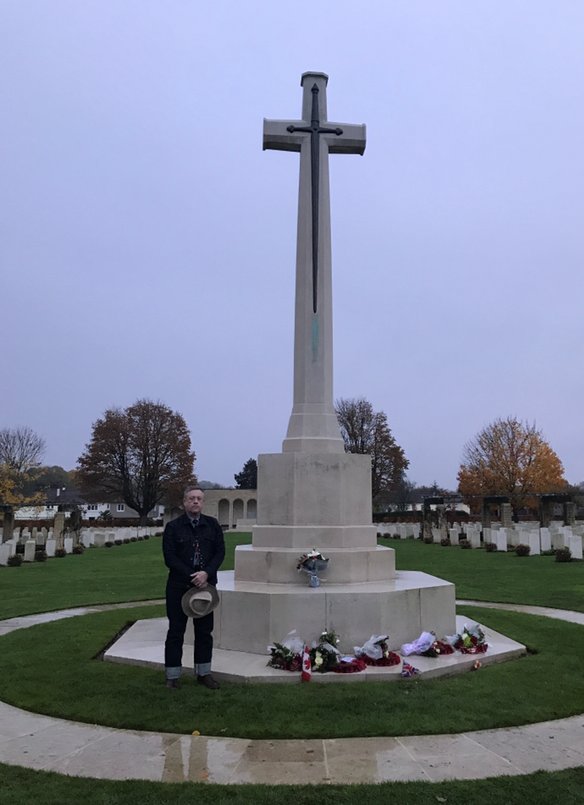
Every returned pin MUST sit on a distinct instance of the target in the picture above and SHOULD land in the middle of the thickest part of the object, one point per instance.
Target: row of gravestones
(539, 539)
(401, 530)
(21, 535)
(8, 548)
(97, 537)
(44, 540)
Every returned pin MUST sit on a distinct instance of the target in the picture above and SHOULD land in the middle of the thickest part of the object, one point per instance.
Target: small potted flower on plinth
(312, 563)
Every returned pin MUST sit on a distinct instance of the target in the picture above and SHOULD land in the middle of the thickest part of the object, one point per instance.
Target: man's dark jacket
(178, 546)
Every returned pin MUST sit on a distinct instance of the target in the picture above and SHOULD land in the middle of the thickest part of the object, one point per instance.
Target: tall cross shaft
(313, 425)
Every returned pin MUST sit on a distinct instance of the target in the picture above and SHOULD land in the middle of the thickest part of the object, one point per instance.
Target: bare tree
(21, 448)
(141, 455)
(366, 431)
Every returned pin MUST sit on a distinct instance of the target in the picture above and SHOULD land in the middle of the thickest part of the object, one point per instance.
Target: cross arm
(351, 141)
(277, 136)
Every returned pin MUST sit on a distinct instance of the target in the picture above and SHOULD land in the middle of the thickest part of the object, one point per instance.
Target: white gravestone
(532, 539)
(558, 540)
(545, 539)
(99, 539)
(515, 536)
(474, 535)
(29, 549)
(5, 552)
(86, 538)
(574, 543)
(68, 544)
(454, 534)
(500, 539)
(51, 547)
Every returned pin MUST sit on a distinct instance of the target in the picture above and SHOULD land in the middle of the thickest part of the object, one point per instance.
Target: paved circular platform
(45, 743)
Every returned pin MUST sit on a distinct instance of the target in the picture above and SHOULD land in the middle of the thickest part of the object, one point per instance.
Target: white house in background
(95, 511)
(70, 498)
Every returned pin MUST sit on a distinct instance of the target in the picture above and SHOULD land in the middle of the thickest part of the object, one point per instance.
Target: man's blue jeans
(177, 623)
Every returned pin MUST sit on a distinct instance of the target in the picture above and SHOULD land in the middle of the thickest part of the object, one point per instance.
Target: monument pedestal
(323, 501)
(314, 500)
(254, 615)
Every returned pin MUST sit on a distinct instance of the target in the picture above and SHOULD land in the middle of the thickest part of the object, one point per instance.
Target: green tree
(366, 431)
(248, 477)
(141, 455)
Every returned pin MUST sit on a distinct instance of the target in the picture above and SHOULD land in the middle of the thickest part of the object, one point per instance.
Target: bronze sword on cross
(315, 130)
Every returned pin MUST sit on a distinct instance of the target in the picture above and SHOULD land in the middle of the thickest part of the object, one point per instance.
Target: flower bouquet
(376, 652)
(312, 563)
(438, 649)
(324, 655)
(284, 658)
(287, 655)
(471, 641)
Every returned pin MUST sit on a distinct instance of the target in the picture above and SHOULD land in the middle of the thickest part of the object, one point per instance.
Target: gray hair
(193, 489)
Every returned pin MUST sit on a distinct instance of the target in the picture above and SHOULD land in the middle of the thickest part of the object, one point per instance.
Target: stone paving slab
(41, 742)
(143, 644)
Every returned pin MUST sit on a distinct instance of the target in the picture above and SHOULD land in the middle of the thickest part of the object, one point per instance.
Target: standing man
(193, 548)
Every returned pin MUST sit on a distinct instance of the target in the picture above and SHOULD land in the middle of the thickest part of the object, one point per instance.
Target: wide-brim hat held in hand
(198, 602)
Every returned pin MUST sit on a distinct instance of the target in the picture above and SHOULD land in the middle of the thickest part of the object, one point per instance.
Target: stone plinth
(251, 616)
(315, 489)
(314, 500)
(346, 566)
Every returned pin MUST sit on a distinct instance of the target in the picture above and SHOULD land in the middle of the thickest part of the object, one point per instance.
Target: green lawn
(22, 786)
(503, 577)
(517, 692)
(136, 572)
(132, 572)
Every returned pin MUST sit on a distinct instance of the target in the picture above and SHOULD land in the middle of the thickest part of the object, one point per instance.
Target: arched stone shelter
(227, 505)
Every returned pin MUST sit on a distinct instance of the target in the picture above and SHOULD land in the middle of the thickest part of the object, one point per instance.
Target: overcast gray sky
(147, 243)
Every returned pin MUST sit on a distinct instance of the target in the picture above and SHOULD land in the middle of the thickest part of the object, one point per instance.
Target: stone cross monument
(313, 494)
(313, 426)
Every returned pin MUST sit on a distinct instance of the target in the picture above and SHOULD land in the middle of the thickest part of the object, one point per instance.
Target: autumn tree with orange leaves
(510, 457)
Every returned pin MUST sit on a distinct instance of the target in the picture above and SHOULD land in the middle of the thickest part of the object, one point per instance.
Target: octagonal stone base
(252, 616)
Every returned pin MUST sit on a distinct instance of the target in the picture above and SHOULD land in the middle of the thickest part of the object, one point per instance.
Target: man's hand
(199, 579)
